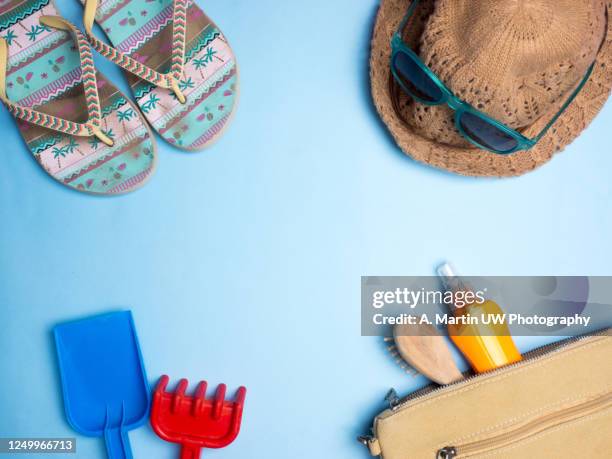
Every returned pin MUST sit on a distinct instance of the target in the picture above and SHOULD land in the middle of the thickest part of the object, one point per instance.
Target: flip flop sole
(44, 73)
(143, 30)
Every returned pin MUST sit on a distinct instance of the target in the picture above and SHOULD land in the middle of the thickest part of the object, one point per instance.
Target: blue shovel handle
(117, 444)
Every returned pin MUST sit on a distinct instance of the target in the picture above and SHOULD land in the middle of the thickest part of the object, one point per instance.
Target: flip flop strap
(168, 80)
(90, 87)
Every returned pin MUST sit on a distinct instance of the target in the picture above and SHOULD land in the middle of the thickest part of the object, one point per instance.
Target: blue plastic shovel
(103, 379)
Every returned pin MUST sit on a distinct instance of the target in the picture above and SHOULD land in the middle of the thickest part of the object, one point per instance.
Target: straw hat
(516, 60)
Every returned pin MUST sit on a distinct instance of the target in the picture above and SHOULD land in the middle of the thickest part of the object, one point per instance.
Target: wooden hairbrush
(421, 348)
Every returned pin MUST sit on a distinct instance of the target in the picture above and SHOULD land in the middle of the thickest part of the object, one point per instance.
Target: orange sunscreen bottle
(485, 345)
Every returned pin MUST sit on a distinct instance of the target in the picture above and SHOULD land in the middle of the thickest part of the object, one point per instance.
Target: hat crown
(516, 60)
(524, 19)
(517, 37)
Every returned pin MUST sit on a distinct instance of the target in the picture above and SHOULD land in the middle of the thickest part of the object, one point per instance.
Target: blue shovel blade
(103, 378)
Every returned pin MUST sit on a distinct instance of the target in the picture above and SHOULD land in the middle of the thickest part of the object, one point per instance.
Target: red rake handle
(190, 452)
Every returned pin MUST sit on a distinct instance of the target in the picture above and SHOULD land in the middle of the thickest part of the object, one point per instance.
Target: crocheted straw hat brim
(472, 161)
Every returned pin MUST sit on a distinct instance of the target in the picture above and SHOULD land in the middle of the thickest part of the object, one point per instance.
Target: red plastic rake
(195, 422)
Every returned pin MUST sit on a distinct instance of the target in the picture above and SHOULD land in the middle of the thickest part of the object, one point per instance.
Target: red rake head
(194, 421)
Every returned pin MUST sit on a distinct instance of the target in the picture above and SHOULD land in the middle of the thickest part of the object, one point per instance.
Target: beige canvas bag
(556, 403)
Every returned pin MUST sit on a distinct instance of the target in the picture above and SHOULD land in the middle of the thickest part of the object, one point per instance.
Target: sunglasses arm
(565, 105)
(406, 18)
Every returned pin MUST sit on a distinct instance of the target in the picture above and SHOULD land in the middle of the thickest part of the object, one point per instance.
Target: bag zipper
(533, 427)
(529, 356)
(396, 403)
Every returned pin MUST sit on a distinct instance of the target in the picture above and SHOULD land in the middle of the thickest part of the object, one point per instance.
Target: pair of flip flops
(80, 128)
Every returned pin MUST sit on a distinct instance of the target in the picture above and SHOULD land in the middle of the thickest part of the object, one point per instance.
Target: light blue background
(242, 264)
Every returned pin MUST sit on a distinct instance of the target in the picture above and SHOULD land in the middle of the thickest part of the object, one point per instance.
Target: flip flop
(81, 129)
(180, 67)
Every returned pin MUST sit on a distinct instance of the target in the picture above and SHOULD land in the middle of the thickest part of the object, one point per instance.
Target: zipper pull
(371, 443)
(365, 440)
(392, 399)
(448, 452)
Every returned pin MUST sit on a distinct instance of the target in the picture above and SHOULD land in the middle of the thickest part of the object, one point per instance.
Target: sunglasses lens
(415, 79)
(487, 134)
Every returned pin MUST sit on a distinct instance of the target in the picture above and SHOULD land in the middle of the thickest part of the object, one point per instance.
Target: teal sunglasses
(422, 84)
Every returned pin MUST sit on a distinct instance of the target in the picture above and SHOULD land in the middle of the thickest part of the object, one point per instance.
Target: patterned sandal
(80, 128)
(180, 67)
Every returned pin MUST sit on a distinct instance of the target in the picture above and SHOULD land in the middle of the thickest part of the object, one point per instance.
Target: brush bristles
(399, 360)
